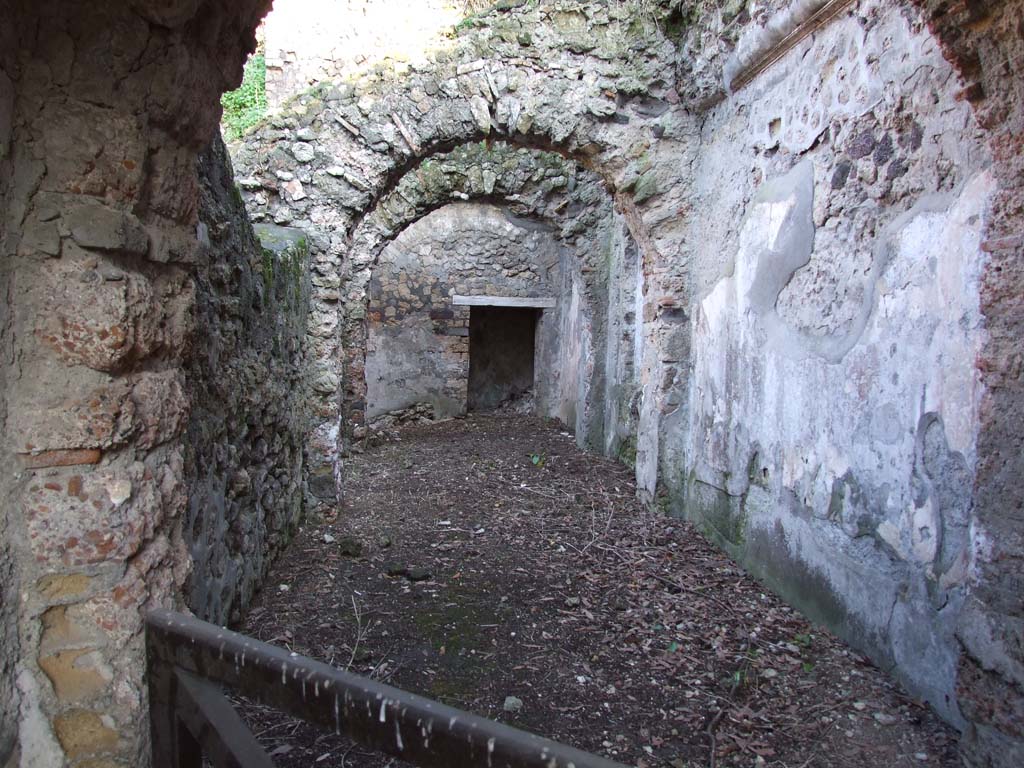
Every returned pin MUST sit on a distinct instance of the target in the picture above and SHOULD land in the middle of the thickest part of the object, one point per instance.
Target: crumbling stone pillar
(103, 109)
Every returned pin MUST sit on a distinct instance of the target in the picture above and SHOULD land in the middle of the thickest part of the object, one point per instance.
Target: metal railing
(190, 662)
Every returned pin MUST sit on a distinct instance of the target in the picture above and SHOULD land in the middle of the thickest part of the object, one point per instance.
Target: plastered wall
(833, 404)
(822, 308)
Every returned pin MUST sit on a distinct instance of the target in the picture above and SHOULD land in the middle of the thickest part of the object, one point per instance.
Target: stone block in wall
(39, 237)
(96, 314)
(64, 587)
(92, 151)
(69, 627)
(95, 225)
(77, 520)
(76, 675)
(65, 528)
(322, 484)
(326, 383)
(83, 732)
(172, 185)
(92, 322)
(176, 245)
(322, 324)
(161, 408)
(98, 419)
(160, 568)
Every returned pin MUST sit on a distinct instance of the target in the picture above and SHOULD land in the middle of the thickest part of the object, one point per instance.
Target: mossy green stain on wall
(627, 451)
(765, 554)
(285, 272)
(269, 259)
(722, 517)
(647, 186)
(294, 260)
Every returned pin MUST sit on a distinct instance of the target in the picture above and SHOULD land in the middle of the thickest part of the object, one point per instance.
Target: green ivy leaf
(246, 105)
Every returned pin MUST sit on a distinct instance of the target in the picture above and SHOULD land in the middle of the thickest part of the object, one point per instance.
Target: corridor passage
(488, 563)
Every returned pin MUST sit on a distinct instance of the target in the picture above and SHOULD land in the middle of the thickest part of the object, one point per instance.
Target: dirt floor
(490, 564)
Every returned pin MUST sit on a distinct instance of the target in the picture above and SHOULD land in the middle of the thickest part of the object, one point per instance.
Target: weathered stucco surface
(833, 409)
(879, 471)
(983, 43)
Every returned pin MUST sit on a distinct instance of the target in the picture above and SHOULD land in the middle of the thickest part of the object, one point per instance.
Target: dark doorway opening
(501, 350)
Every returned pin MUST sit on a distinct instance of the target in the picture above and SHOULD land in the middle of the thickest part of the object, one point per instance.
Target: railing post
(172, 746)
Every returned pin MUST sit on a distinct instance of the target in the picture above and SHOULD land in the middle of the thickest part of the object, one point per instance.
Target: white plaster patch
(892, 536)
(931, 291)
(823, 419)
(119, 491)
(38, 745)
(880, 327)
(775, 214)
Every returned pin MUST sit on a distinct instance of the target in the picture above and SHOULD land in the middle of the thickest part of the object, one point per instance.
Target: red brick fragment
(60, 458)
(1002, 244)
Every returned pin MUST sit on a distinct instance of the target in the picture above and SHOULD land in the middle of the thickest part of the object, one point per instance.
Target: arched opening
(459, 306)
(591, 239)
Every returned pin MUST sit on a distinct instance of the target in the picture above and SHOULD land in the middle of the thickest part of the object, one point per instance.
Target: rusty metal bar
(412, 728)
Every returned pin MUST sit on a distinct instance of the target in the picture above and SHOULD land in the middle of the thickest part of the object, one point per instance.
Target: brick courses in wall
(103, 111)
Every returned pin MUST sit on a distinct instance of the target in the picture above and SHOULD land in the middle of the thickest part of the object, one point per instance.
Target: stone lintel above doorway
(542, 302)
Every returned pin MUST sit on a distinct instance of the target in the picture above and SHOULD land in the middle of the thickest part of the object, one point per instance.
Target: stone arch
(336, 151)
(532, 183)
(375, 129)
(356, 147)
(416, 342)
